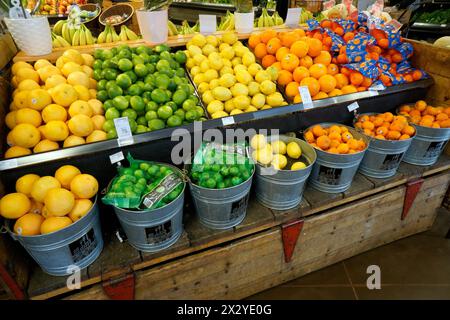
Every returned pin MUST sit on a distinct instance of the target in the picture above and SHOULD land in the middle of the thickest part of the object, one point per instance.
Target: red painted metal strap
(11, 283)
(290, 233)
(412, 189)
(120, 289)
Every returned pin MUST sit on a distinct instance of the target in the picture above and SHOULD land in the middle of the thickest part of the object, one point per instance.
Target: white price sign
(208, 23)
(377, 87)
(306, 97)
(227, 121)
(352, 107)
(124, 135)
(116, 157)
(293, 17)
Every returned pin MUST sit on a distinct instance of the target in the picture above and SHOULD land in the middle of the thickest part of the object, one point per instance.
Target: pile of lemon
(53, 105)
(47, 204)
(276, 153)
(228, 77)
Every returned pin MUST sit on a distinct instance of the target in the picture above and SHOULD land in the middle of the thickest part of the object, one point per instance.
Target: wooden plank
(430, 58)
(398, 177)
(410, 171)
(295, 213)
(359, 184)
(257, 216)
(318, 198)
(442, 164)
(180, 245)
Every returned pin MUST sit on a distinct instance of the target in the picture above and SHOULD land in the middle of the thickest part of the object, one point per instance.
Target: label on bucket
(238, 207)
(434, 149)
(83, 247)
(331, 176)
(391, 161)
(160, 233)
(166, 186)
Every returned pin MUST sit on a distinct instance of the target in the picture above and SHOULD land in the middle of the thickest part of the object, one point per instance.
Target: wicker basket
(117, 9)
(313, 6)
(93, 22)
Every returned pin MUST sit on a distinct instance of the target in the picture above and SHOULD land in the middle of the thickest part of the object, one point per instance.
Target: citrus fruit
(56, 130)
(27, 115)
(279, 161)
(84, 186)
(14, 205)
(83, 92)
(20, 99)
(38, 99)
(258, 141)
(81, 125)
(28, 84)
(54, 112)
(293, 150)
(26, 73)
(72, 141)
(25, 135)
(42, 186)
(59, 201)
(64, 94)
(16, 151)
(96, 135)
(80, 209)
(80, 107)
(20, 65)
(48, 71)
(54, 80)
(52, 224)
(65, 174)
(29, 224)
(275, 99)
(298, 166)
(25, 183)
(268, 87)
(45, 145)
(278, 146)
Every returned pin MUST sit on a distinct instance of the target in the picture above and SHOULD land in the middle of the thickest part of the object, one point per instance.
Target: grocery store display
(267, 20)
(110, 35)
(228, 77)
(54, 106)
(438, 16)
(54, 7)
(220, 182)
(426, 115)
(385, 126)
(72, 31)
(147, 85)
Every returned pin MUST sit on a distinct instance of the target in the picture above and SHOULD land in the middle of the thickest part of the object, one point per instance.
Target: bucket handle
(185, 176)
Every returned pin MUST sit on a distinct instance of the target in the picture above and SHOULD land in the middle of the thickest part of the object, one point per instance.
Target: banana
(173, 31)
(130, 34)
(108, 35)
(123, 34)
(101, 37)
(277, 19)
(72, 32)
(82, 37)
(57, 28)
(63, 41)
(65, 33)
(55, 41)
(76, 38)
(89, 38)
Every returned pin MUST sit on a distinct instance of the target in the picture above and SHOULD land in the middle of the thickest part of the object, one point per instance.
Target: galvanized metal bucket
(383, 157)
(333, 173)
(221, 208)
(59, 253)
(283, 190)
(427, 145)
(154, 230)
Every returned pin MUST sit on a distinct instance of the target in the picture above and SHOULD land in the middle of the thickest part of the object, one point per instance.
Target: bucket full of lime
(284, 164)
(220, 181)
(148, 198)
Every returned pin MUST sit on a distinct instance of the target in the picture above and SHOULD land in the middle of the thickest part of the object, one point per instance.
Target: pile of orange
(426, 115)
(385, 126)
(305, 60)
(334, 139)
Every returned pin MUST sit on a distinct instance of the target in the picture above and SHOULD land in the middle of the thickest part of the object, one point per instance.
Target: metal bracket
(412, 189)
(120, 288)
(290, 233)
(11, 284)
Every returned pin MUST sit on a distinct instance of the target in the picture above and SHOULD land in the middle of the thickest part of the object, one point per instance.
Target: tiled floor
(417, 267)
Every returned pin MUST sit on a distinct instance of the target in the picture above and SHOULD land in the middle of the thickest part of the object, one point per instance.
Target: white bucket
(244, 22)
(32, 36)
(153, 25)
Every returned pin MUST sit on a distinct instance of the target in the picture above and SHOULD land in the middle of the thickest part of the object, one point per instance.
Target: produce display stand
(269, 247)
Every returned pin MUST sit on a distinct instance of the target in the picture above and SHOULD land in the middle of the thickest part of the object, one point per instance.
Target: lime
(169, 93)
(179, 96)
(224, 171)
(164, 112)
(180, 72)
(234, 171)
(172, 85)
(221, 185)
(236, 180)
(150, 67)
(154, 58)
(180, 57)
(141, 128)
(210, 183)
(156, 124)
(180, 113)
(109, 124)
(174, 121)
(109, 74)
(191, 115)
(139, 173)
(141, 70)
(109, 84)
(111, 134)
(98, 54)
(153, 170)
(106, 54)
(173, 105)
(151, 106)
(150, 115)
(97, 64)
(162, 81)
(140, 49)
(165, 55)
(101, 85)
(98, 74)
(194, 98)
(133, 125)
(120, 103)
(145, 57)
(162, 65)
(159, 96)
(161, 47)
(123, 80)
(134, 90)
(114, 91)
(112, 113)
(102, 95)
(124, 54)
(137, 103)
(185, 87)
(109, 64)
(141, 121)
(132, 75)
(108, 104)
(189, 104)
(199, 110)
(130, 113)
(125, 64)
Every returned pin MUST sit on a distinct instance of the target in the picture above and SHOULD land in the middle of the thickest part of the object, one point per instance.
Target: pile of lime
(134, 182)
(147, 85)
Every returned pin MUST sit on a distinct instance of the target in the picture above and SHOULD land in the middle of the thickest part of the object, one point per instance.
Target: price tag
(8, 164)
(116, 157)
(293, 17)
(353, 106)
(124, 135)
(306, 97)
(377, 87)
(227, 121)
(208, 23)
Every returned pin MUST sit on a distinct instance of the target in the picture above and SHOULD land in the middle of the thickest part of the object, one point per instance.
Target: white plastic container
(243, 22)
(153, 25)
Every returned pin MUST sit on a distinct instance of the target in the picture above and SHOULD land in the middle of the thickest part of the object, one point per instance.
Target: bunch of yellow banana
(68, 31)
(82, 36)
(127, 34)
(305, 16)
(227, 22)
(57, 28)
(172, 28)
(267, 20)
(108, 35)
(187, 29)
(58, 41)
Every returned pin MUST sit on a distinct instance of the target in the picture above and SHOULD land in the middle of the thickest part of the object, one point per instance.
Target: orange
(289, 38)
(356, 78)
(409, 130)
(324, 58)
(260, 50)
(349, 89)
(343, 148)
(335, 143)
(300, 73)
(341, 80)
(404, 137)
(396, 126)
(277, 65)
(368, 125)
(335, 136)
(281, 53)
(292, 89)
(445, 124)
(393, 135)
(367, 82)
(306, 62)
(352, 144)
(299, 48)
(309, 136)
(318, 131)
(435, 125)
(369, 132)
(273, 45)
(268, 60)
(335, 92)
(439, 117)
(431, 110)
(317, 70)
(300, 32)
(327, 83)
(312, 84)
(378, 136)
(254, 40)
(289, 62)
(332, 69)
(29, 224)
(421, 105)
(59, 201)
(388, 116)
(284, 77)
(314, 47)
(346, 136)
(84, 186)
(267, 35)
(323, 142)
(333, 150)
(297, 98)
(320, 95)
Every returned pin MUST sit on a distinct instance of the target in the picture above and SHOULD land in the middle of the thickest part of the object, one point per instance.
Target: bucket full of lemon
(56, 219)
(284, 164)
(220, 179)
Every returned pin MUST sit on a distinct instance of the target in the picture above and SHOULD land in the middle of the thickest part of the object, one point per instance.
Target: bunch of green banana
(108, 35)
(127, 34)
(82, 37)
(305, 16)
(265, 20)
(227, 22)
(58, 41)
(172, 28)
(187, 29)
(57, 28)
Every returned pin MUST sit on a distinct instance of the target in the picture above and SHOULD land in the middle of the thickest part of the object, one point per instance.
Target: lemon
(190, 63)
(248, 58)
(212, 40)
(203, 87)
(222, 93)
(239, 89)
(253, 88)
(54, 80)
(273, 71)
(219, 114)
(293, 150)
(204, 66)
(198, 40)
(275, 99)
(208, 48)
(230, 38)
(298, 166)
(28, 84)
(227, 53)
(241, 102)
(251, 109)
(29, 224)
(194, 50)
(258, 141)
(264, 156)
(229, 106)
(278, 146)
(207, 97)
(25, 183)
(236, 111)
(213, 84)
(195, 70)
(65, 175)
(199, 78)
(279, 161)
(223, 46)
(211, 74)
(244, 77)
(80, 209)
(268, 87)
(258, 100)
(236, 61)
(254, 68)
(199, 58)
(215, 63)
(52, 224)
(239, 68)
(73, 55)
(226, 70)
(227, 80)
(240, 51)
(14, 205)
(215, 106)
(262, 76)
(266, 106)
(227, 63)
